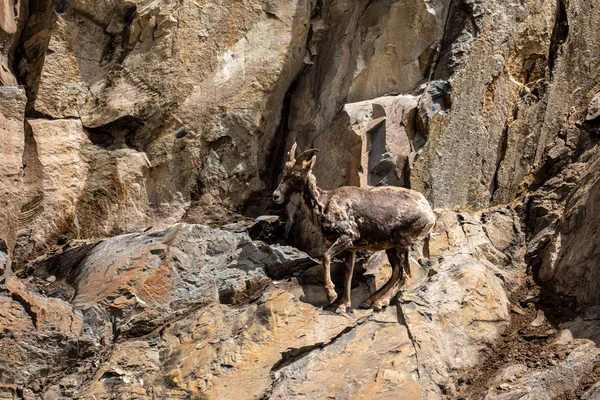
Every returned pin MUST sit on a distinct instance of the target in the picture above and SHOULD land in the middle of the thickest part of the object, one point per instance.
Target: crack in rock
(292, 355)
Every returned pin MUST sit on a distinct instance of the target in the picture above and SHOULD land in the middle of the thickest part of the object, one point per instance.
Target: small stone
(517, 310)
(564, 337)
(594, 108)
(539, 320)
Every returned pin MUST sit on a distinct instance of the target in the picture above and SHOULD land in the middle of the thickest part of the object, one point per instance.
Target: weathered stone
(397, 47)
(12, 110)
(459, 163)
(382, 129)
(566, 262)
(551, 383)
(593, 110)
(12, 19)
(163, 275)
(39, 335)
(74, 188)
(593, 393)
(171, 281)
(140, 115)
(375, 360)
(210, 351)
(137, 75)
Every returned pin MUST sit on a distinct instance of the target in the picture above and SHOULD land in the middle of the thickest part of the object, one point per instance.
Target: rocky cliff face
(139, 139)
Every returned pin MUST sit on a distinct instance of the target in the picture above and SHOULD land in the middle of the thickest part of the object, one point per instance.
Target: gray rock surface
(123, 124)
(197, 306)
(547, 384)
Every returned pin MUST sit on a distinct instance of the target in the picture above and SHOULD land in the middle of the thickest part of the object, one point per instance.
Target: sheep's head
(295, 174)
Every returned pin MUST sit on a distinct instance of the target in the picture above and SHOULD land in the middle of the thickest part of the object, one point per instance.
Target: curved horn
(306, 155)
(292, 152)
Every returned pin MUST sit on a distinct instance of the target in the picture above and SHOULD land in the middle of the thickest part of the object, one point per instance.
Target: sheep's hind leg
(396, 272)
(341, 244)
(384, 301)
(346, 302)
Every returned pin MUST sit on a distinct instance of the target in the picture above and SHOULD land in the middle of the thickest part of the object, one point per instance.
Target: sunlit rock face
(192, 90)
(131, 132)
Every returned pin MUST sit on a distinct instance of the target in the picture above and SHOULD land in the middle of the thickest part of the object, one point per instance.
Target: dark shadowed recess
(260, 203)
(460, 20)
(64, 265)
(559, 34)
(33, 43)
(119, 133)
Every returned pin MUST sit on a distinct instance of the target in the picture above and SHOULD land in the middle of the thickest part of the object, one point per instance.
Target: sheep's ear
(307, 155)
(292, 153)
(311, 163)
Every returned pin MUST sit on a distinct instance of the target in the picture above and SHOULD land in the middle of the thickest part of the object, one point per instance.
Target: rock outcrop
(139, 140)
(193, 311)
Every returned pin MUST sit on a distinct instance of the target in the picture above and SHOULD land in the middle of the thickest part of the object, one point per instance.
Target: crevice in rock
(129, 12)
(316, 12)
(559, 34)
(441, 46)
(35, 114)
(175, 34)
(369, 3)
(64, 266)
(500, 159)
(292, 355)
(31, 50)
(278, 146)
(145, 332)
(402, 321)
(260, 203)
(26, 306)
(461, 19)
(119, 133)
(32, 204)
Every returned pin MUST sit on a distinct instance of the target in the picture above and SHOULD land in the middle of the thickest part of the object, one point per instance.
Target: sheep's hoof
(332, 297)
(342, 309)
(380, 305)
(364, 305)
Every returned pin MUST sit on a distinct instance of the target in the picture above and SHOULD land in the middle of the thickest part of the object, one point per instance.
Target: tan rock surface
(134, 116)
(191, 313)
(77, 189)
(196, 87)
(39, 335)
(458, 164)
(12, 144)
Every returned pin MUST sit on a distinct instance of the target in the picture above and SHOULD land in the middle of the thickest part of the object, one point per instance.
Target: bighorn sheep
(354, 218)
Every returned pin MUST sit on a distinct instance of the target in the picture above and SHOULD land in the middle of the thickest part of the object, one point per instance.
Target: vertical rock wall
(169, 110)
(129, 116)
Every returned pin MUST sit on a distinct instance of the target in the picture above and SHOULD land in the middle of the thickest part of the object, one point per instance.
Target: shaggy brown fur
(355, 218)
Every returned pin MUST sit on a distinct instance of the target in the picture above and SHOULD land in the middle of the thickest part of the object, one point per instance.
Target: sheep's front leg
(346, 303)
(341, 244)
